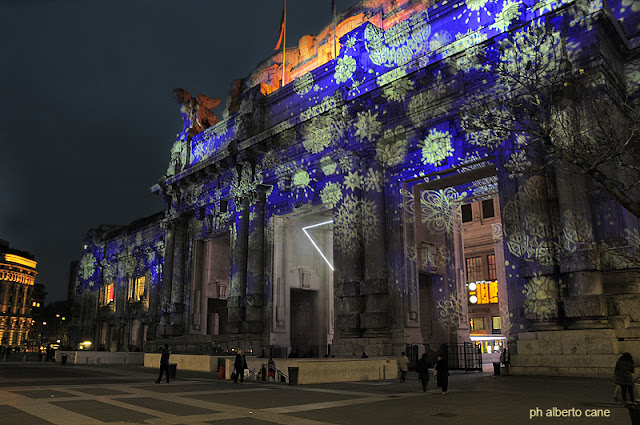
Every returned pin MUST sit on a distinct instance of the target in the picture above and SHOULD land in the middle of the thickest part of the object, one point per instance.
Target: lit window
(474, 269)
(491, 261)
(107, 294)
(495, 323)
(477, 323)
(136, 289)
(483, 292)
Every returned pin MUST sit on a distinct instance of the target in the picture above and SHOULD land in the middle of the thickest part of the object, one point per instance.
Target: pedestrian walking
(505, 359)
(240, 364)
(423, 371)
(441, 371)
(164, 363)
(403, 366)
(623, 376)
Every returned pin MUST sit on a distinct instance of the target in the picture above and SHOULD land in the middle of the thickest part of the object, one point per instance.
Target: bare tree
(544, 110)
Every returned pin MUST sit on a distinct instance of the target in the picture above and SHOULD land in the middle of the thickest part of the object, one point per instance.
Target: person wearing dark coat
(423, 371)
(441, 371)
(164, 363)
(240, 364)
(623, 375)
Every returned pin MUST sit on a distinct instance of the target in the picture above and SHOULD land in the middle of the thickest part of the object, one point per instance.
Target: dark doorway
(216, 316)
(425, 295)
(304, 326)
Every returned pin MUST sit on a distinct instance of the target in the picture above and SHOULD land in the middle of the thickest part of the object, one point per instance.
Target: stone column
(348, 255)
(375, 319)
(255, 264)
(178, 276)
(236, 303)
(167, 276)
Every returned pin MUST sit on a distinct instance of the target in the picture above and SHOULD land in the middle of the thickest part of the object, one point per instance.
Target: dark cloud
(88, 118)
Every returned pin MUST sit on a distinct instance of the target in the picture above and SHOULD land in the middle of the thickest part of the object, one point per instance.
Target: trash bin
(263, 373)
(63, 359)
(634, 412)
(173, 367)
(293, 375)
(496, 368)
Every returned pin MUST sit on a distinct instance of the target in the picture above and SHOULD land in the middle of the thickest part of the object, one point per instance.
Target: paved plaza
(49, 393)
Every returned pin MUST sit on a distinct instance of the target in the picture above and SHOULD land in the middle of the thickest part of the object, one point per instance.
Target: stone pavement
(48, 393)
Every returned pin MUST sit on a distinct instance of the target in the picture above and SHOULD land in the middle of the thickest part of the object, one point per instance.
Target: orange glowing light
(20, 260)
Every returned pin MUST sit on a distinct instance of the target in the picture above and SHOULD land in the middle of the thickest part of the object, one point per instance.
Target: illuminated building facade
(326, 215)
(17, 279)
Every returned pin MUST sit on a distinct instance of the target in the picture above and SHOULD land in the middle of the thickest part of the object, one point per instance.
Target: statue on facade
(196, 112)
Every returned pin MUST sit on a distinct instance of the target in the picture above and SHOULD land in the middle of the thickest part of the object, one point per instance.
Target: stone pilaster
(348, 252)
(255, 265)
(375, 319)
(239, 254)
(178, 278)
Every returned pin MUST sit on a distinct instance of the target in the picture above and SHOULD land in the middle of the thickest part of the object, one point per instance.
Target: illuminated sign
(20, 260)
(483, 292)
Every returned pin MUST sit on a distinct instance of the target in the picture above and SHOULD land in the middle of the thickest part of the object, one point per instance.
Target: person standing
(164, 363)
(423, 371)
(623, 375)
(403, 366)
(271, 369)
(442, 373)
(505, 359)
(240, 364)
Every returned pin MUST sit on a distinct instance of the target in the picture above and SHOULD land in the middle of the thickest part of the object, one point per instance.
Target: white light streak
(304, 229)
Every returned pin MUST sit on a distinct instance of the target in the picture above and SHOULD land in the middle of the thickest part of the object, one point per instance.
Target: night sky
(87, 118)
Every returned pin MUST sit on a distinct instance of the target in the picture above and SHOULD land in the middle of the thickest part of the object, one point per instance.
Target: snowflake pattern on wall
(392, 149)
(475, 9)
(345, 68)
(87, 266)
(436, 147)
(367, 125)
(438, 210)
(541, 297)
(352, 181)
(372, 181)
(331, 194)
(303, 84)
(397, 90)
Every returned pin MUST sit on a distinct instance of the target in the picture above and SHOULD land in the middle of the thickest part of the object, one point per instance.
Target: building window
(483, 292)
(107, 294)
(495, 323)
(491, 261)
(474, 269)
(135, 290)
(487, 209)
(467, 213)
(477, 323)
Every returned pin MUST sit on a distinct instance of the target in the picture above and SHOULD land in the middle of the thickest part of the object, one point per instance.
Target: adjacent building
(17, 280)
(342, 205)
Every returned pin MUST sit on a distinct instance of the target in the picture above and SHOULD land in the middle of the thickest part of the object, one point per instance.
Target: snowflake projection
(331, 194)
(351, 41)
(323, 131)
(438, 209)
(301, 178)
(367, 125)
(450, 311)
(328, 165)
(127, 264)
(632, 74)
(541, 297)
(347, 224)
(244, 184)
(439, 40)
(517, 164)
(353, 181)
(528, 234)
(397, 90)
(392, 149)
(436, 147)
(509, 12)
(344, 69)
(575, 230)
(475, 9)
(269, 160)
(87, 266)
(151, 257)
(303, 84)
(397, 34)
(372, 181)
(473, 58)
(138, 241)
